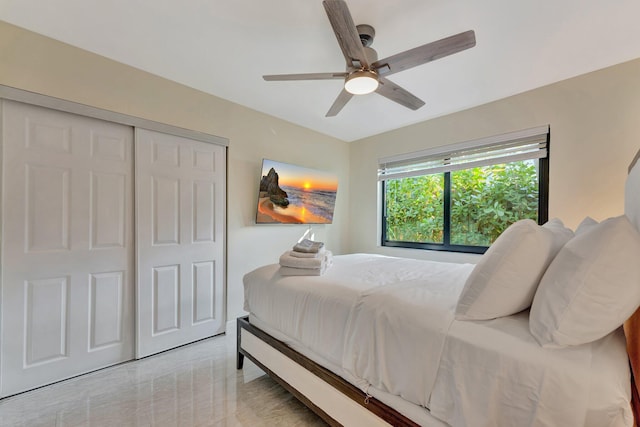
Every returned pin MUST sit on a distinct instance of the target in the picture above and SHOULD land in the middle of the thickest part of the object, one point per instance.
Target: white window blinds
(510, 147)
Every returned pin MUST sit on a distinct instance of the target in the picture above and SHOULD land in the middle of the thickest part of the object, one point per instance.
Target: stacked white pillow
(505, 279)
(591, 287)
(579, 288)
(587, 224)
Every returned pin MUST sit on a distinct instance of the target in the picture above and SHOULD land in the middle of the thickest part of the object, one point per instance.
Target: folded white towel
(287, 260)
(293, 271)
(318, 254)
(308, 246)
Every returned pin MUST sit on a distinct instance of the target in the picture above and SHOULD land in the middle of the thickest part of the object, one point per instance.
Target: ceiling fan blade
(390, 90)
(307, 76)
(340, 102)
(346, 33)
(425, 53)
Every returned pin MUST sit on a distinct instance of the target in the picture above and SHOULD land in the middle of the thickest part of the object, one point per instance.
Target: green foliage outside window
(484, 202)
(415, 209)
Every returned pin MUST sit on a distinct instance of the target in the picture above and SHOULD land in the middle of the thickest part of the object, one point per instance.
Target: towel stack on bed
(308, 258)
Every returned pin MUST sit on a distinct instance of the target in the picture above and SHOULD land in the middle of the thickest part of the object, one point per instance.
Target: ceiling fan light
(361, 82)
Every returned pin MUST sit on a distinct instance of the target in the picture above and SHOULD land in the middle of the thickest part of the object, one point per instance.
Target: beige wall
(595, 132)
(594, 119)
(38, 64)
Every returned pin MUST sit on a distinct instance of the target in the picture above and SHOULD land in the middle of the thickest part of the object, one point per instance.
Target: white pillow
(561, 234)
(590, 288)
(505, 279)
(586, 224)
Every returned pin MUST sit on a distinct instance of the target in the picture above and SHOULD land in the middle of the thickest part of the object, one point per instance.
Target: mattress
(367, 320)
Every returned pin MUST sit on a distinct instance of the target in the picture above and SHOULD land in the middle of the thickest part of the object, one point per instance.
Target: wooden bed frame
(328, 403)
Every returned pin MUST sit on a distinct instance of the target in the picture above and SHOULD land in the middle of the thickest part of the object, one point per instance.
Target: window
(462, 196)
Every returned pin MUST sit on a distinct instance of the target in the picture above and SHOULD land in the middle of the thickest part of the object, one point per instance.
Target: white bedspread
(387, 323)
(395, 335)
(500, 376)
(315, 310)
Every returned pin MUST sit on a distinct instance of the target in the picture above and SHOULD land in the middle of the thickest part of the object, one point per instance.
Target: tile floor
(195, 385)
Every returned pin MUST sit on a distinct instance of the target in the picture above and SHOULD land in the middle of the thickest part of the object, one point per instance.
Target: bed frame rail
(376, 407)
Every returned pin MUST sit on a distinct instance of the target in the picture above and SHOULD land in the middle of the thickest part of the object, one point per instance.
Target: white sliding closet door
(67, 246)
(180, 209)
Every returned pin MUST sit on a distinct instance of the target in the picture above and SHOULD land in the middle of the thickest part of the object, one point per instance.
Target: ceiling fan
(365, 73)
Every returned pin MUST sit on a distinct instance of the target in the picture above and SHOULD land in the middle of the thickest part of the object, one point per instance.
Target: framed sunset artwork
(291, 194)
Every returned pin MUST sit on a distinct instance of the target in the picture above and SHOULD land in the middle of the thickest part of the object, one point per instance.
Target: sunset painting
(291, 194)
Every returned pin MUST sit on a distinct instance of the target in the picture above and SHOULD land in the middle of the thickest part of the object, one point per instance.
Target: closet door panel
(165, 205)
(108, 210)
(166, 299)
(180, 240)
(106, 300)
(46, 313)
(67, 246)
(204, 213)
(47, 198)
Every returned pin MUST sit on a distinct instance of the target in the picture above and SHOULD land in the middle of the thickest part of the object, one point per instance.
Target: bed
(380, 340)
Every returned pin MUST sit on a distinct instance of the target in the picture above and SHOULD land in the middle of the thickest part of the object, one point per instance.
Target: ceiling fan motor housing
(366, 33)
(370, 54)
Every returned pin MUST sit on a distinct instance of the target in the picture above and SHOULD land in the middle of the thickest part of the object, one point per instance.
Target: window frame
(543, 211)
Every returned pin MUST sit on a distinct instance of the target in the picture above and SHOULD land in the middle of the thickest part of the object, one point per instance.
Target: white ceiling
(223, 47)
